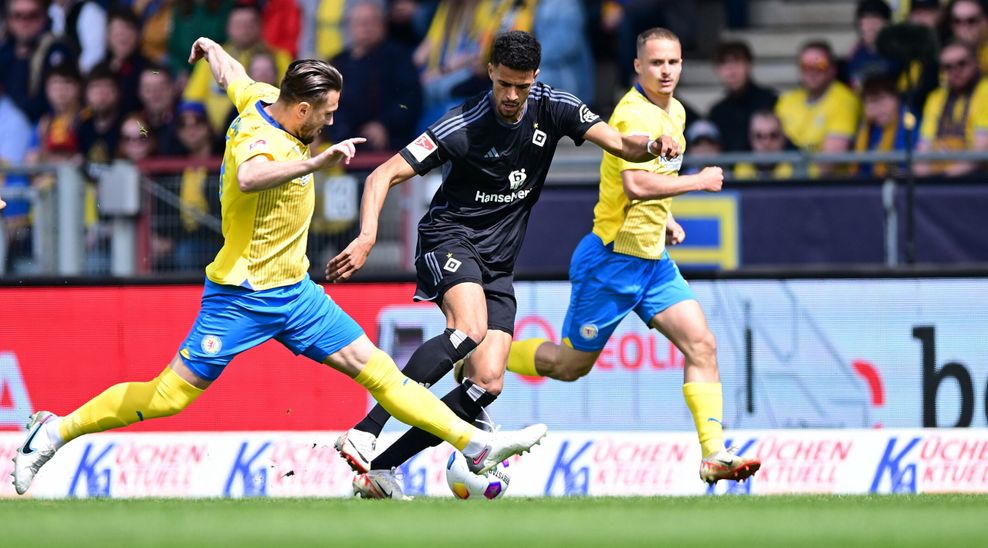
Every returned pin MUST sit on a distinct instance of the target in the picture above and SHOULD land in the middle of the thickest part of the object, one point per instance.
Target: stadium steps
(777, 29)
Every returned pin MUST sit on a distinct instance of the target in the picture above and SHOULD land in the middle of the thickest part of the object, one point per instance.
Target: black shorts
(454, 263)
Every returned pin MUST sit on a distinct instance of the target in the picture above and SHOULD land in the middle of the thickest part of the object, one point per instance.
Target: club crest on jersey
(673, 164)
(211, 344)
(422, 147)
(587, 115)
(588, 331)
(452, 265)
(517, 178)
(539, 137)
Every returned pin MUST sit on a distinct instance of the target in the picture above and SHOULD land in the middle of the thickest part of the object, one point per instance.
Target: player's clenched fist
(713, 179)
(668, 147)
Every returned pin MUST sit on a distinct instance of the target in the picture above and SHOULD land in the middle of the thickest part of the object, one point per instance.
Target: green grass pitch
(797, 521)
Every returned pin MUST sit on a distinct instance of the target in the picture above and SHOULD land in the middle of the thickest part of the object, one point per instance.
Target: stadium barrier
(608, 463)
(142, 225)
(856, 365)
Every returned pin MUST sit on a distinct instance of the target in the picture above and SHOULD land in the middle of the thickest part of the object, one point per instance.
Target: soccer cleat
(726, 465)
(504, 445)
(36, 451)
(379, 484)
(357, 449)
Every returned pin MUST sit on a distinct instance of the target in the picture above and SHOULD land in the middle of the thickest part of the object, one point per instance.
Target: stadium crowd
(90, 81)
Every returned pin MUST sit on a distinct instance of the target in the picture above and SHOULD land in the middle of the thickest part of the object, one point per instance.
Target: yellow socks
(706, 403)
(410, 403)
(130, 402)
(521, 358)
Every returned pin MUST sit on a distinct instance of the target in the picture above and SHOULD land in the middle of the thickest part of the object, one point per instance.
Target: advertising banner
(612, 463)
(875, 353)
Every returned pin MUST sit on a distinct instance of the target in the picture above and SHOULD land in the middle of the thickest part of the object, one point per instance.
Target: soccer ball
(465, 484)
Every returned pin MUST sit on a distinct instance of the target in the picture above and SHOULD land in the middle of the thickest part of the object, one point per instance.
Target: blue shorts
(608, 285)
(234, 319)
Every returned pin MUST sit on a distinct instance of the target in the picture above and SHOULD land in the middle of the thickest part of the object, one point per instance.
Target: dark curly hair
(517, 50)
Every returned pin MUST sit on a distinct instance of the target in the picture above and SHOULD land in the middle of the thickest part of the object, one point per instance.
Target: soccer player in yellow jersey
(257, 288)
(623, 266)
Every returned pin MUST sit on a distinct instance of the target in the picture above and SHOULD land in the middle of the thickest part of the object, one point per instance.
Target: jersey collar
(267, 117)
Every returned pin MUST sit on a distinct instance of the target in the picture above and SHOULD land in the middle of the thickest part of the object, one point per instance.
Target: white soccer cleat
(726, 465)
(504, 445)
(36, 451)
(357, 449)
(379, 484)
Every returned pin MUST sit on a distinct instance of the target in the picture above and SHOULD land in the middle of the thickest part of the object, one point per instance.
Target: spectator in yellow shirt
(243, 29)
(822, 114)
(766, 137)
(956, 114)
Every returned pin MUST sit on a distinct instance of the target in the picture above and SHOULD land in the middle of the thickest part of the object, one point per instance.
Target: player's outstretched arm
(225, 68)
(261, 172)
(634, 148)
(392, 172)
(645, 185)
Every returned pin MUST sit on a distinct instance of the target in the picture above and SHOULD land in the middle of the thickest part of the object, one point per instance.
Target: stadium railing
(140, 206)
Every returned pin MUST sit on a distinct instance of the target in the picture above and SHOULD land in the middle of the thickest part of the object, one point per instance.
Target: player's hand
(349, 261)
(712, 179)
(675, 234)
(668, 147)
(344, 150)
(199, 49)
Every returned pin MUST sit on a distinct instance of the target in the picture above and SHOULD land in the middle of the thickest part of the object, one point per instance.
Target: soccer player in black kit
(495, 150)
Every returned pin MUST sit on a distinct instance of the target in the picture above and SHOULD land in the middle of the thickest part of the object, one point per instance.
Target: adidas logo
(492, 154)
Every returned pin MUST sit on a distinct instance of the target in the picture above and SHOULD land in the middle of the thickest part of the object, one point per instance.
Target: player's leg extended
(485, 377)
(435, 358)
(414, 405)
(120, 405)
(542, 358)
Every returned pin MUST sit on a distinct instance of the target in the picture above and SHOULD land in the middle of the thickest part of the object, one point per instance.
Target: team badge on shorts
(588, 331)
(452, 265)
(211, 344)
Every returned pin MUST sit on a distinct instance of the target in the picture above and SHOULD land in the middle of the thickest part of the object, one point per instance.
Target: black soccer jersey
(493, 171)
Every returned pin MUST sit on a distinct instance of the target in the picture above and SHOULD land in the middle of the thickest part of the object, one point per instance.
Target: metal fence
(163, 218)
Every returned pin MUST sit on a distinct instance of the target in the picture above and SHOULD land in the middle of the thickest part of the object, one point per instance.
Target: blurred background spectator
(27, 54)
(886, 125)
(15, 134)
(190, 20)
(702, 139)
(382, 98)
(82, 23)
(743, 96)
(243, 30)
(822, 114)
(567, 64)
(124, 57)
(766, 137)
(871, 16)
(156, 93)
(956, 113)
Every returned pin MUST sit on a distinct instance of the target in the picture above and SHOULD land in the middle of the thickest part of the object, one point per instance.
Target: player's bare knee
(491, 382)
(476, 332)
(702, 350)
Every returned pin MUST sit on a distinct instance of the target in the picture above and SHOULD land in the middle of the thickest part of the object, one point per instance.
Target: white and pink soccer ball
(466, 485)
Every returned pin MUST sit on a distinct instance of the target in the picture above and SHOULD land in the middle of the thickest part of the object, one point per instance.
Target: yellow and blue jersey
(637, 227)
(264, 233)
(808, 123)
